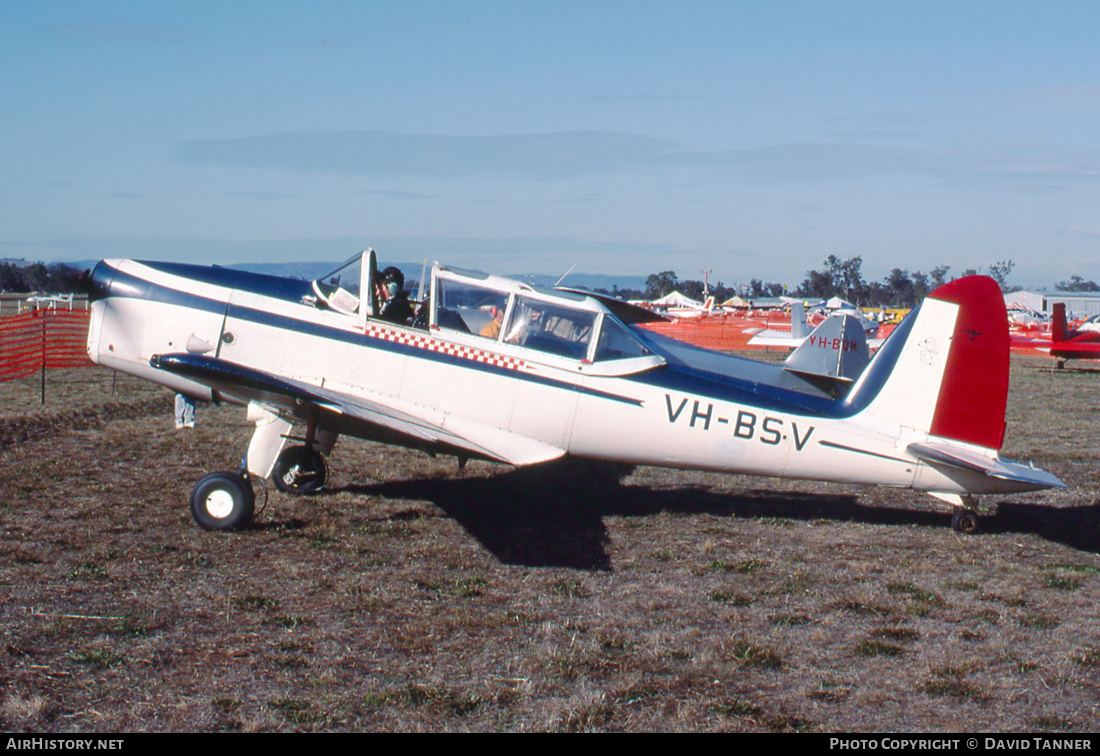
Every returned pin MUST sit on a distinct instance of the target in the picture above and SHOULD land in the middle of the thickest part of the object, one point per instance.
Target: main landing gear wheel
(300, 470)
(223, 501)
(965, 521)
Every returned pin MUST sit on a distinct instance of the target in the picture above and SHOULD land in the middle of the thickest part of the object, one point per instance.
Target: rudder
(974, 394)
(948, 375)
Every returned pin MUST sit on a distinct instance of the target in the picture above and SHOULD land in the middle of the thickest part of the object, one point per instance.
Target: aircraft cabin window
(618, 343)
(470, 309)
(550, 328)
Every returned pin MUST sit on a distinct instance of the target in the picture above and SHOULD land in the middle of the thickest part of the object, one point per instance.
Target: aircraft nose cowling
(98, 282)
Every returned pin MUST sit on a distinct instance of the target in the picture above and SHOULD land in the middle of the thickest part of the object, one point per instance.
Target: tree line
(844, 278)
(48, 279)
(899, 288)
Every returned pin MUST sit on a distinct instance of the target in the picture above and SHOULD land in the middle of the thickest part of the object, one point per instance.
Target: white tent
(735, 301)
(676, 299)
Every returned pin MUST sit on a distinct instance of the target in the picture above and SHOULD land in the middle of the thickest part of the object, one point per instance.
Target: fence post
(42, 314)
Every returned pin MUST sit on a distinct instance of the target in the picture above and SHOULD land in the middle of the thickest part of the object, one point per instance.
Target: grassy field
(415, 597)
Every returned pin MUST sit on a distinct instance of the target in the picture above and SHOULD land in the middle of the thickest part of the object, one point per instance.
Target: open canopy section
(344, 288)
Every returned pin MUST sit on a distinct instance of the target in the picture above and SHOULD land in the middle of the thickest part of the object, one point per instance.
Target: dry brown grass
(415, 597)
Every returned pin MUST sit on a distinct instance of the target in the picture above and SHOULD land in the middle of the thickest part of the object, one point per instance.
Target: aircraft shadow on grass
(543, 526)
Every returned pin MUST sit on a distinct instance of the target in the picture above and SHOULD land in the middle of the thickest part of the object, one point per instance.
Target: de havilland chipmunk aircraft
(495, 369)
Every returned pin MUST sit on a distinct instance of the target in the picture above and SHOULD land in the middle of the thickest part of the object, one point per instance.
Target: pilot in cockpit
(393, 300)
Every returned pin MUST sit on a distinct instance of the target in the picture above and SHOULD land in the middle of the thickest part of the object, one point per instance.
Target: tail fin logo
(928, 352)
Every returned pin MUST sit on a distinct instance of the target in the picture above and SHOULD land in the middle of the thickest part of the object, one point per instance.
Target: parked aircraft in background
(494, 369)
(800, 330)
(791, 339)
(837, 306)
(1090, 325)
(48, 302)
(676, 305)
(1018, 315)
(1081, 343)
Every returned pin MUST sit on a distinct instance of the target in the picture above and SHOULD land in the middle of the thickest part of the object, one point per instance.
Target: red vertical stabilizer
(974, 392)
(1059, 327)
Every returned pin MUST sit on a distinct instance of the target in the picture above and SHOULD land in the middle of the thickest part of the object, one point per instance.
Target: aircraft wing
(776, 338)
(301, 399)
(791, 339)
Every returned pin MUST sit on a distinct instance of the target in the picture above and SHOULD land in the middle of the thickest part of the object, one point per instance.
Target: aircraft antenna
(566, 273)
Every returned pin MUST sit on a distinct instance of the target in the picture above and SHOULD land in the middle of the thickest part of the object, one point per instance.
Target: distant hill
(311, 270)
(19, 262)
(304, 270)
(587, 281)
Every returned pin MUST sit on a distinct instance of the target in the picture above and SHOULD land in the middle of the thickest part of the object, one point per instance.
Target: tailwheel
(300, 470)
(965, 521)
(223, 501)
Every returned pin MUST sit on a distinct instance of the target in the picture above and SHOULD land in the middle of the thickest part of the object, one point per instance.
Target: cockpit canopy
(478, 308)
(553, 322)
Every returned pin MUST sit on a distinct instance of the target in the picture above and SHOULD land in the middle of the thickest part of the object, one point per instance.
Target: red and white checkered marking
(421, 341)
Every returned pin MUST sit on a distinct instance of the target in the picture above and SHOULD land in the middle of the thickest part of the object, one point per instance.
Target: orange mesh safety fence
(50, 338)
(725, 332)
(730, 332)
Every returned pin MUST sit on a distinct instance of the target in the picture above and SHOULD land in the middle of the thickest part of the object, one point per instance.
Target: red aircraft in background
(1082, 343)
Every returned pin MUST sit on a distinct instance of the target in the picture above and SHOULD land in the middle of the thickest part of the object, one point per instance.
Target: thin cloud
(116, 31)
(1083, 230)
(257, 195)
(396, 194)
(378, 153)
(568, 155)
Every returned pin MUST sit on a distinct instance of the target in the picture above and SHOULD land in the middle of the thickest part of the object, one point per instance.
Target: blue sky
(751, 139)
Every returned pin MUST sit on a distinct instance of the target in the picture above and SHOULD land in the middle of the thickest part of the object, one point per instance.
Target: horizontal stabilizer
(963, 458)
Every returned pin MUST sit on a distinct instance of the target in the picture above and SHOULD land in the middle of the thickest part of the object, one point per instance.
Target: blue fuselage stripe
(366, 340)
(129, 286)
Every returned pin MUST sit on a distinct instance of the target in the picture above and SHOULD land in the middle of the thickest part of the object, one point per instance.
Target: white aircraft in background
(800, 330)
(792, 339)
(499, 370)
(676, 305)
(49, 302)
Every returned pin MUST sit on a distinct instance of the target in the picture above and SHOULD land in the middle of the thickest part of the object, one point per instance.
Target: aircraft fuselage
(225, 333)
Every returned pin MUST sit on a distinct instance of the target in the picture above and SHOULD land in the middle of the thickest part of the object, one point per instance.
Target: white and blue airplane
(800, 329)
(495, 369)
